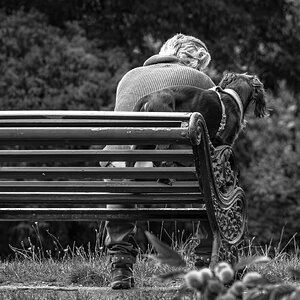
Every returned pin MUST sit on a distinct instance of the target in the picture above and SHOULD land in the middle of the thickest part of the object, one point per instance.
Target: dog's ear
(227, 78)
(259, 98)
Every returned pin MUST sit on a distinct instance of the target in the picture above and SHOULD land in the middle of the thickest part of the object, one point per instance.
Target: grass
(95, 272)
(74, 270)
(35, 265)
(78, 270)
(86, 268)
(278, 269)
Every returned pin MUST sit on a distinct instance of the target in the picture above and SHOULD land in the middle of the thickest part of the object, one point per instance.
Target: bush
(270, 170)
(44, 67)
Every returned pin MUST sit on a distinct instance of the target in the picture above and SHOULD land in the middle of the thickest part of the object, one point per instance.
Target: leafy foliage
(270, 170)
(43, 67)
(236, 32)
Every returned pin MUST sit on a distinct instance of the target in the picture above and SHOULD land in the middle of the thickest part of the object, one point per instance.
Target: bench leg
(215, 249)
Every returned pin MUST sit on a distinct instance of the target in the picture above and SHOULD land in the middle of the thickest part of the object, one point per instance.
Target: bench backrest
(52, 158)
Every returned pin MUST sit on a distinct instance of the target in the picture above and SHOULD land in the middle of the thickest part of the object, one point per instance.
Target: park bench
(50, 171)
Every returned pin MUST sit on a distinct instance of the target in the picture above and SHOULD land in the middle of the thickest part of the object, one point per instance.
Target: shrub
(44, 67)
(270, 170)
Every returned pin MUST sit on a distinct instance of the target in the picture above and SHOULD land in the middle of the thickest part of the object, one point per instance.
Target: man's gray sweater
(158, 72)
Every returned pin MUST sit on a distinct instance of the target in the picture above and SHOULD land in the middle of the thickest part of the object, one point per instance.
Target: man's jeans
(120, 233)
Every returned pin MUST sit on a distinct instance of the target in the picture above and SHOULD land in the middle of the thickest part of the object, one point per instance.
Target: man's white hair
(191, 51)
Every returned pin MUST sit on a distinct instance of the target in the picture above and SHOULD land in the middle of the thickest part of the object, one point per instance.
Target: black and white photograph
(149, 150)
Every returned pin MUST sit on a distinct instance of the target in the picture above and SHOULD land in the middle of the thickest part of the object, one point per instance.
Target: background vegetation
(71, 54)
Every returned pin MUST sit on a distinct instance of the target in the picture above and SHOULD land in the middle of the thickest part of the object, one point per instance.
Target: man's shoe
(121, 271)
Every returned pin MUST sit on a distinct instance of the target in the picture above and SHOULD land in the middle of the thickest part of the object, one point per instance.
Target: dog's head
(250, 90)
(157, 102)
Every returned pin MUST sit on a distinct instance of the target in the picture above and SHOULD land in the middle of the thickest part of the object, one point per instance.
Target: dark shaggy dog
(223, 107)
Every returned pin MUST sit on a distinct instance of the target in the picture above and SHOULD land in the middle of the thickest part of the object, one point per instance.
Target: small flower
(226, 296)
(198, 279)
(224, 272)
(237, 289)
(205, 274)
(213, 288)
(193, 280)
(251, 279)
(295, 295)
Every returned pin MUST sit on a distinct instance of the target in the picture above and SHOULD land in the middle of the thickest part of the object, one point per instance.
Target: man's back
(156, 75)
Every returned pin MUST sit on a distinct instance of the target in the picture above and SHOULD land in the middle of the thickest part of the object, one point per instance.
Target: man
(181, 61)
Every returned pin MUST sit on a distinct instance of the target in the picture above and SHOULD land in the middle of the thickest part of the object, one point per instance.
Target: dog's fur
(192, 99)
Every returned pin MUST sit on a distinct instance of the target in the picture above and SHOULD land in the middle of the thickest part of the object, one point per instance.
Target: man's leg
(120, 241)
(122, 249)
(120, 234)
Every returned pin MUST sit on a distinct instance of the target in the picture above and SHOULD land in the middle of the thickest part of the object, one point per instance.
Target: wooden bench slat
(95, 155)
(87, 123)
(96, 214)
(43, 173)
(100, 186)
(67, 114)
(55, 198)
(92, 135)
